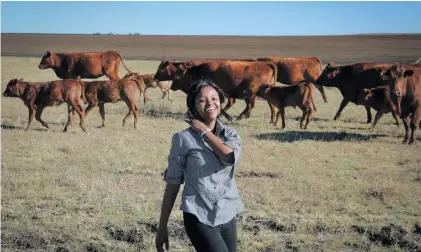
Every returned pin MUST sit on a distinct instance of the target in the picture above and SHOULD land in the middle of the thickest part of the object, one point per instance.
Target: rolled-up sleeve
(234, 142)
(174, 174)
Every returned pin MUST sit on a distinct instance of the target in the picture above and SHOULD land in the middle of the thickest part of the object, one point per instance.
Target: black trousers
(222, 238)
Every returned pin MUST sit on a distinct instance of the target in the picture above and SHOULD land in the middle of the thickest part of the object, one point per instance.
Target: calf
(405, 90)
(379, 99)
(39, 95)
(150, 82)
(111, 91)
(297, 95)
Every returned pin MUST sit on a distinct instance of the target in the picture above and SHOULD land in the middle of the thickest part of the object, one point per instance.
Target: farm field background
(337, 186)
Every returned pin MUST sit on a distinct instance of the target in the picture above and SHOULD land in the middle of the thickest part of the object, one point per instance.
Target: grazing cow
(296, 70)
(84, 65)
(168, 70)
(111, 91)
(296, 95)
(39, 95)
(238, 79)
(150, 82)
(405, 89)
(379, 99)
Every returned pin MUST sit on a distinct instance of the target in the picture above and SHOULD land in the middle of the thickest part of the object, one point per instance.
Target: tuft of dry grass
(337, 186)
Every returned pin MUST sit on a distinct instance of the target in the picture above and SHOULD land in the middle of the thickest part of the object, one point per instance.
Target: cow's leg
(396, 118)
(367, 108)
(341, 107)
(38, 117)
(416, 117)
(248, 108)
(31, 116)
(253, 104)
(70, 114)
(272, 112)
(405, 122)
(377, 117)
(322, 91)
(282, 111)
(230, 102)
(81, 113)
(132, 109)
(309, 116)
(277, 118)
(89, 108)
(304, 109)
(102, 113)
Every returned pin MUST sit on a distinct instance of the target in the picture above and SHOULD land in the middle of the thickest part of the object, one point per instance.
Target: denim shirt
(210, 191)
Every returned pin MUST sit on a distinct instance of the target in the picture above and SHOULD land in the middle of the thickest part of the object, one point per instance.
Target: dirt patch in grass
(294, 136)
(257, 174)
(390, 235)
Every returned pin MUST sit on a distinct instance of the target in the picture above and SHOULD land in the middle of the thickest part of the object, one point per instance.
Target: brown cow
(84, 65)
(111, 91)
(296, 95)
(379, 99)
(238, 79)
(39, 95)
(351, 79)
(405, 89)
(150, 82)
(296, 70)
(167, 71)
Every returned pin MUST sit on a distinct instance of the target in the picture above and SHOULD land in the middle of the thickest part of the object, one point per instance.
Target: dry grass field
(337, 186)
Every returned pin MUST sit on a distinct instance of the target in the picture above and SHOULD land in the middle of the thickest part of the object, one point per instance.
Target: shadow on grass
(13, 127)
(294, 136)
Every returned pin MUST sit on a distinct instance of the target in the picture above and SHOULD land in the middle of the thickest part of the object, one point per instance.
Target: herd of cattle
(394, 88)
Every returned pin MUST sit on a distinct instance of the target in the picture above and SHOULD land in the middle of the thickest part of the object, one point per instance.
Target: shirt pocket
(199, 164)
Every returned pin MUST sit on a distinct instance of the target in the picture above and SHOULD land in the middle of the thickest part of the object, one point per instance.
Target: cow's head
(182, 79)
(47, 61)
(328, 75)
(263, 90)
(396, 78)
(13, 88)
(165, 71)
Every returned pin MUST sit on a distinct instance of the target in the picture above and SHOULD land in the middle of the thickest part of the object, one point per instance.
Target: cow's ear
(408, 73)
(47, 53)
(20, 80)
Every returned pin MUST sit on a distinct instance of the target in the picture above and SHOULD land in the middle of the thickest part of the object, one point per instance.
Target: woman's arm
(223, 151)
(170, 194)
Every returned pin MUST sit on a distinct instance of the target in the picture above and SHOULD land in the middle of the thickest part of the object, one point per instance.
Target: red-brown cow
(296, 95)
(84, 65)
(296, 70)
(379, 99)
(39, 95)
(167, 71)
(238, 79)
(149, 82)
(111, 91)
(351, 79)
(405, 89)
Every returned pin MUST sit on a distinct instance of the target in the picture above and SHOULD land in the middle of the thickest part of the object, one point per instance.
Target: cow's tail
(122, 62)
(82, 84)
(141, 89)
(310, 95)
(275, 71)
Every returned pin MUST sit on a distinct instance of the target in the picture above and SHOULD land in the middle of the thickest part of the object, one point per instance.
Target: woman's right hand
(161, 239)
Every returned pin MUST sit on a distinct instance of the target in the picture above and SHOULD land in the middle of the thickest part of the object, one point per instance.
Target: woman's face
(207, 103)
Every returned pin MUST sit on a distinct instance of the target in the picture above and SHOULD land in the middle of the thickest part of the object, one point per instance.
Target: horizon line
(191, 35)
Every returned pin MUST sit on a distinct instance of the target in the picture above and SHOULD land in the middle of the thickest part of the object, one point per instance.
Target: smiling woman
(204, 156)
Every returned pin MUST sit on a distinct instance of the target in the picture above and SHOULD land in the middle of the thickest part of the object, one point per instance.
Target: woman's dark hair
(195, 89)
